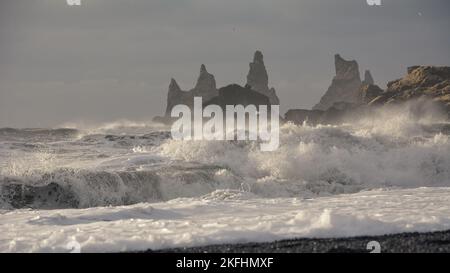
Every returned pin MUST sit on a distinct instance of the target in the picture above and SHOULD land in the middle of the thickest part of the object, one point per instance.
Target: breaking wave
(104, 169)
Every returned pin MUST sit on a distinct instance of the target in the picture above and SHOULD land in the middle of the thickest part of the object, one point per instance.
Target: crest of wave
(32, 164)
(375, 152)
(115, 127)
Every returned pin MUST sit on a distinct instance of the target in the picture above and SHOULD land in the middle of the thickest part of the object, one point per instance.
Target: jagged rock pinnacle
(173, 86)
(258, 78)
(345, 85)
(205, 87)
(205, 82)
(368, 79)
(173, 95)
(346, 69)
(258, 57)
(203, 69)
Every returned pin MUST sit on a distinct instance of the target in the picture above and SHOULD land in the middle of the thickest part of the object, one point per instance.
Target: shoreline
(428, 242)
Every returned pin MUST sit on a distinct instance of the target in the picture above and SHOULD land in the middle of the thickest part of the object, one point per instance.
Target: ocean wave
(38, 134)
(338, 159)
(121, 169)
(74, 188)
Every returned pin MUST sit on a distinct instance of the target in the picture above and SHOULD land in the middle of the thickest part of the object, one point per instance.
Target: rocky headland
(348, 97)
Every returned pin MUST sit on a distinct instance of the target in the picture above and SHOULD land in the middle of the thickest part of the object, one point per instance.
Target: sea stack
(205, 87)
(345, 85)
(173, 96)
(368, 79)
(256, 91)
(206, 84)
(258, 79)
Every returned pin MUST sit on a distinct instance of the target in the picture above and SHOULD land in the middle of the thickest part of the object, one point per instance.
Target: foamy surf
(76, 170)
(224, 217)
(118, 188)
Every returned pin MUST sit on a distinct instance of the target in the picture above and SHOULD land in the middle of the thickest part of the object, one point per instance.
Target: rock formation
(421, 82)
(369, 92)
(174, 95)
(368, 79)
(338, 113)
(206, 84)
(258, 79)
(205, 88)
(427, 88)
(234, 94)
(345, 100)
(255, 92)
(299, 116)
(347, 96)
(345, 85)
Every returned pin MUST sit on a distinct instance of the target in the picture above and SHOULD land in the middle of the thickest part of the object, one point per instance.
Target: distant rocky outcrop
(426, 88)
(347, 99)
(256, 91)
(430, 82)
(258, 80)
(368, 79)
(342, 112)
(234, 94)
(368, 92)
(299, 116)
(338, 113)
(206, 84)
(345, 85)
(205, 88)
(346, 95)
(174, 96)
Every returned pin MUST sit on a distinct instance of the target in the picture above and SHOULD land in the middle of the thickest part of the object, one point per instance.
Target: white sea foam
(101, 169)
(329, 158)
(225, 217)
(127, 188)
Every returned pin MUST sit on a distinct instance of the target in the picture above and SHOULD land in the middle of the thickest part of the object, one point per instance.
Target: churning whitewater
(129, 186)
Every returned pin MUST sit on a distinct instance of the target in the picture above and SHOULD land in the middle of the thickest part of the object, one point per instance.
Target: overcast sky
(113, 59)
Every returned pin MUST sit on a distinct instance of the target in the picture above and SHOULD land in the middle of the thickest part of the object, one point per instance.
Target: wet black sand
(432, 242)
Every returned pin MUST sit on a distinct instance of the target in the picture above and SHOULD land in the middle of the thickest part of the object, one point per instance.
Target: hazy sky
(113, 59)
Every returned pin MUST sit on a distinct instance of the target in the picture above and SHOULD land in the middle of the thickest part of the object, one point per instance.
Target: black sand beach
(432, 242)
